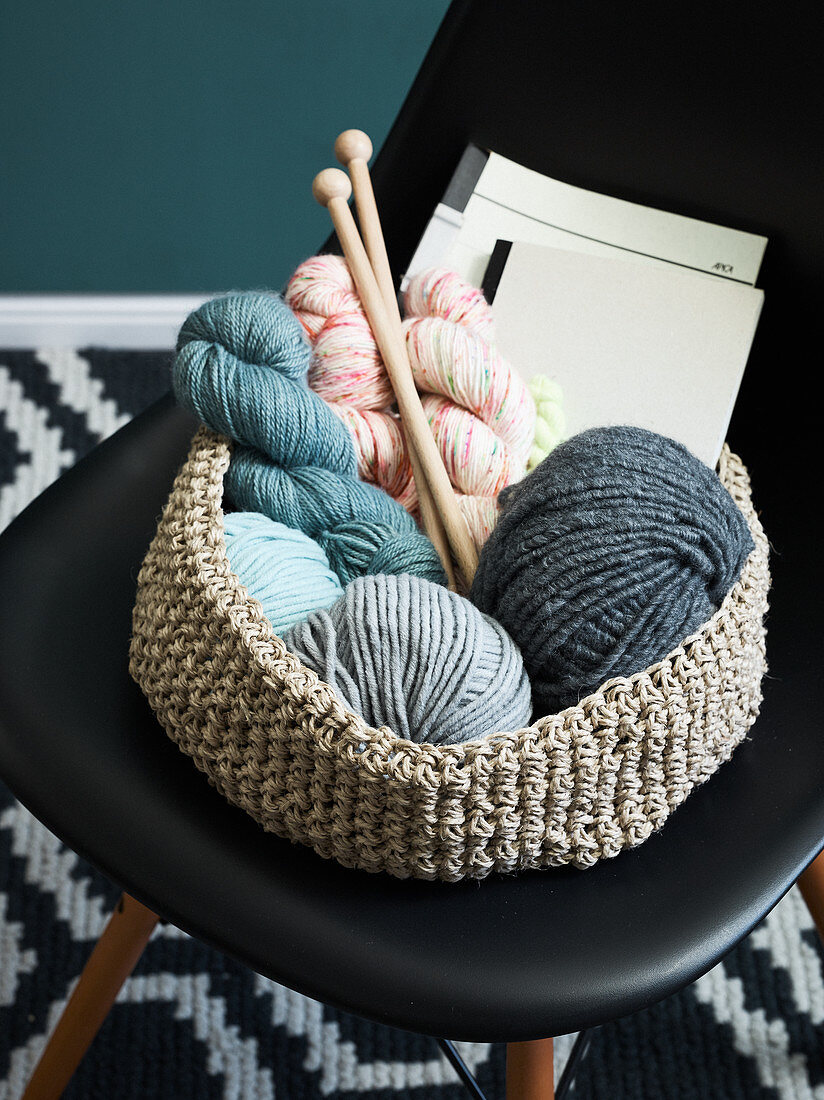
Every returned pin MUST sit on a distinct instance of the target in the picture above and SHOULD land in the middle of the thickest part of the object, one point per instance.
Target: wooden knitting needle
(432, 522)
(332, 189)
(354, 150)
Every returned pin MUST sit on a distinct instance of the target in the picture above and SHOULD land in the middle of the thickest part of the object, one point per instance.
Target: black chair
(707, 109)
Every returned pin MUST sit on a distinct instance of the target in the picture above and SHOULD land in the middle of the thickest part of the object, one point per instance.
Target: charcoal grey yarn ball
(613, 550)
(409, 654)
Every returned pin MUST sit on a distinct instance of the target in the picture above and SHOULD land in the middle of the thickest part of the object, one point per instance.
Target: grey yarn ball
(405, 653)
(614, 549)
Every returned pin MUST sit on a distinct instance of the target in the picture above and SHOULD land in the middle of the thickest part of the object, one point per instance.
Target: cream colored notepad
(492, 198)
(648, 344)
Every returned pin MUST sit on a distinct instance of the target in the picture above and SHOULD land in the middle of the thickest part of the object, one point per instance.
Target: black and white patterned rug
(191, 1023)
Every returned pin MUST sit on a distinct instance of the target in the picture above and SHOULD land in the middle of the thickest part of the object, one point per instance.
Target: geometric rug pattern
(192, 1023)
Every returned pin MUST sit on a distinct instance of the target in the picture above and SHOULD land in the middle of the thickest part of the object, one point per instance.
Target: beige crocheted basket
(573, 788)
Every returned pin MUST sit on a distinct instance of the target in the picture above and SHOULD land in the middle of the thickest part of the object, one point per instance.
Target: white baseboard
(139, 321)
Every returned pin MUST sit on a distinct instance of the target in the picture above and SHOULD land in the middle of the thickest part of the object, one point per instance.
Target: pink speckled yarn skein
(482, 414)
(347, 371)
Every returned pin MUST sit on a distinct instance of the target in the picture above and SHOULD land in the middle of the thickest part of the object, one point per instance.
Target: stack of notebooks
(643, 317)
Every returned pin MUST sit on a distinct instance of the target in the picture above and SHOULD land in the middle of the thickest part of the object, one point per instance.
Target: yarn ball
(241, 367)
(285, 570)
(415, 657)
(613, 550)
(481, 413)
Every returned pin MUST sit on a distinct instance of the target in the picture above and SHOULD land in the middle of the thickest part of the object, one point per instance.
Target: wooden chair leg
(811, 885)
(529, 1070)
(112, 961)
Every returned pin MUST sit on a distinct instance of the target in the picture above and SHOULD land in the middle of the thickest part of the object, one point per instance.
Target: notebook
(491, 198)
(628, 342)
(644, 317)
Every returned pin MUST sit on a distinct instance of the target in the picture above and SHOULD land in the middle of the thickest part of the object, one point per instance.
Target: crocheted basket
(575, 787)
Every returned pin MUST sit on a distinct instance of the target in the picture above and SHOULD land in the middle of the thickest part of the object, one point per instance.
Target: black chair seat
(509, 958)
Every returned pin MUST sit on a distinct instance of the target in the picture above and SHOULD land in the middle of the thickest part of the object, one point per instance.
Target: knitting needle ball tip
(353, 145)
(330, 184)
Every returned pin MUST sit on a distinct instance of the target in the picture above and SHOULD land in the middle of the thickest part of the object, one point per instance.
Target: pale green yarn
(285, 570)
(550, 425)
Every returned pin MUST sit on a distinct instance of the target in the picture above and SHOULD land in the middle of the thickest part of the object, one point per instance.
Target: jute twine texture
(575, 787)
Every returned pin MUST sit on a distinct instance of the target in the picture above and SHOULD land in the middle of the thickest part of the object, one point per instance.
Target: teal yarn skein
(415, 657)
(241, 367)
(283, 569)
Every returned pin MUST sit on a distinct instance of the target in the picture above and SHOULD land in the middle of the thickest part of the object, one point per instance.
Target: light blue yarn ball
(285, 570)
(241, 367)
(415, 657)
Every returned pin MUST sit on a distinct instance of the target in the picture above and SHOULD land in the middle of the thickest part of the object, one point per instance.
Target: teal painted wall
(170, 146)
